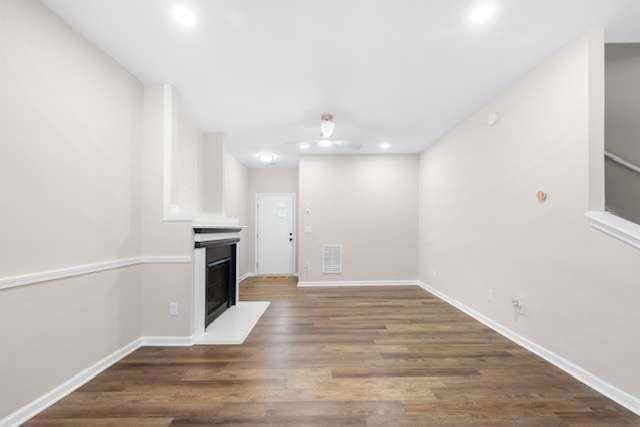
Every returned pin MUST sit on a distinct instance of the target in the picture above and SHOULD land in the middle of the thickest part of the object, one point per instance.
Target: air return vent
(332, 259)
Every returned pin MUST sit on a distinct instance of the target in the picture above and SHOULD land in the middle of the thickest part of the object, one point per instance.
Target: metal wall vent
(331, 259)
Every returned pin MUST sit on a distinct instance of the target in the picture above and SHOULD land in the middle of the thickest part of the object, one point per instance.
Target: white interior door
(275, 237)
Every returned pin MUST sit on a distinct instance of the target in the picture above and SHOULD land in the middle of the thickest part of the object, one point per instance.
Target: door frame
(292, 197)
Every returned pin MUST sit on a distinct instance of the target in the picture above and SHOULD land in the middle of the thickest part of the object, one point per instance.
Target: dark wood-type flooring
(350, 356)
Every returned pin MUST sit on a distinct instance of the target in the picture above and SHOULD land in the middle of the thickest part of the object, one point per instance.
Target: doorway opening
(275, 234)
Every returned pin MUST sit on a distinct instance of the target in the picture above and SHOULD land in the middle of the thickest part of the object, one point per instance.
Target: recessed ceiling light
(385, 145)
(482, 13)
(265, 157)
(325, 143)
(304, 146)
(184, 16)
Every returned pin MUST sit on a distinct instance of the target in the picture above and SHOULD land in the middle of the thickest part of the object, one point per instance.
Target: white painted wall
(623, 128)
(235, 202)
(482, 229)
(213, 175)
(158, 236)
(273, 180)
(187, 189)
(81, 181)
(366, 203)
(81, 178)
(70, 117)
(161, 284)
(69, 123)
(265, 180)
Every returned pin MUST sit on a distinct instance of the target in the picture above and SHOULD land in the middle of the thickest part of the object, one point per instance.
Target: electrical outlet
(307, 267)
(434, 272)
(173, 308)
(490, 296)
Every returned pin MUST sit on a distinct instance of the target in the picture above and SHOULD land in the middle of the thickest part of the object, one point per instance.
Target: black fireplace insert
(220, 291)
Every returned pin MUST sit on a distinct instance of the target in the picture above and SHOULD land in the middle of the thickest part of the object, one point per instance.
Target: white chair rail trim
(78, 270)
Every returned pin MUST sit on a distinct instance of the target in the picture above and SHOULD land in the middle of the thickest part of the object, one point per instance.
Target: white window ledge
(619, 228)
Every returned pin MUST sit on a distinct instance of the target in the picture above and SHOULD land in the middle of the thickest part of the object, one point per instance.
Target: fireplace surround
(225, 320)
(215, 289)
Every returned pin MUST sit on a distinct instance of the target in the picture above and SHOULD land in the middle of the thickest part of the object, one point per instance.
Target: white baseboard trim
(245, 276)
(32, 409)
(166, 341)
(252, 274)
(173, 259)
(79, 270)
(351, 283)
(40, 404)
(621, 397)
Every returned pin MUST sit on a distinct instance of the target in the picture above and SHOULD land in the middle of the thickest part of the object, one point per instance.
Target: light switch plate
(173, 308)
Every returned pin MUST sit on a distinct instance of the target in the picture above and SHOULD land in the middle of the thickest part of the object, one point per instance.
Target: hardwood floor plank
(341, 356)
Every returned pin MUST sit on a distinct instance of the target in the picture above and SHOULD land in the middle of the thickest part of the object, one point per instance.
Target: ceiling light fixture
(269, 158)
(184, 16)
(325, 143)
(385, 145)
(482, 13)
(304, 146)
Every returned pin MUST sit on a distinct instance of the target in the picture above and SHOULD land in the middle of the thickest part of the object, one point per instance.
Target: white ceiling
(402, 71)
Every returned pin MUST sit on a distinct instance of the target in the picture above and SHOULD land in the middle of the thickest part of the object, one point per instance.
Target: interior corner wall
(69, 126)
(485, 239)
(235, 201)
(368, 204)
(266, 180)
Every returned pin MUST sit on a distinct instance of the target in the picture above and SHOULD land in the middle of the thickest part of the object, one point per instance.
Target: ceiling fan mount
(327, 128)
